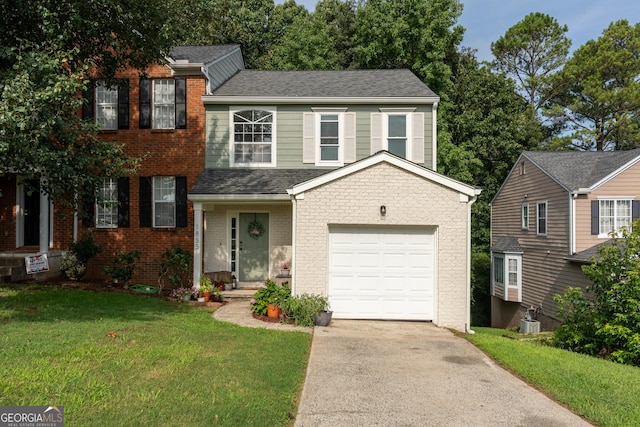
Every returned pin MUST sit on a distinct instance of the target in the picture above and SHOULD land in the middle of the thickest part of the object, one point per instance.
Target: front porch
(13, 265)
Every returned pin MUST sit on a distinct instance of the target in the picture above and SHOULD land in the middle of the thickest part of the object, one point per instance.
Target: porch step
(11, 268)
(238, 294)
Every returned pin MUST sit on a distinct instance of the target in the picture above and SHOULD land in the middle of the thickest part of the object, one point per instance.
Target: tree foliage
(530, 52)
(47, 50)
(606, 322)
(598, 92)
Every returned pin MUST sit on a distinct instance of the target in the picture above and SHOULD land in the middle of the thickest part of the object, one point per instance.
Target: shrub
(271, 293)
(124, 265)
(175, 263)
(606, 324)
(74, 261)
(305, 308)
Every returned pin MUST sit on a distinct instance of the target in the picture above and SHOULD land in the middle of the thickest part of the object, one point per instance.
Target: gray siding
(289, 134)
(223, 69)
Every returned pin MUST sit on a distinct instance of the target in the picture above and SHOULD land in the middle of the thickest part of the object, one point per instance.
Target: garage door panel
(381, 273)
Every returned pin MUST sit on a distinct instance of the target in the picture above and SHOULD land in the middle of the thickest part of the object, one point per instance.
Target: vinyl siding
(289, 134)
(222, 70)
(545, 272)
(623, 185)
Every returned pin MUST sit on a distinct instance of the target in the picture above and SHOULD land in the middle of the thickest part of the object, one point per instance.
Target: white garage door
(381, 273)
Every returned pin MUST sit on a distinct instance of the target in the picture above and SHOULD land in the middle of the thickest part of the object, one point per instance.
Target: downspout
(293, 242)
(572, 223)
(434, 138)
(468, 323)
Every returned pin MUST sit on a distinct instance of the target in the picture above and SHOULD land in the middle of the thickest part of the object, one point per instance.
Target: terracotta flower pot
(273, 311)
(206, 295)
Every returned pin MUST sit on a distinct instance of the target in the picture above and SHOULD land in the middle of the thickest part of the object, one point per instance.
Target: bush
(305, 308)
(175, 263)
(74, 261)
(124, 265)
(607, 324)
(270, 294)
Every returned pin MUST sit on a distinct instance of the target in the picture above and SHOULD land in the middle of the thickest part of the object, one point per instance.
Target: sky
(487, 20)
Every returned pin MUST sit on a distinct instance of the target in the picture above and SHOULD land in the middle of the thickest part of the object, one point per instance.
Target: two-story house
(547, 220)
(159, 116)
(329, 172)
(333, 174)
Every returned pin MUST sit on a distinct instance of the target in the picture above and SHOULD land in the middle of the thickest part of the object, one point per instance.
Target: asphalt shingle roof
(349, 83)
(506, 244)
(201, 54)
(239, 181)
(580, 169)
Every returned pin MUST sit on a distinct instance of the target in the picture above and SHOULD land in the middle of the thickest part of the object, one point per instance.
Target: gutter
(467, 325)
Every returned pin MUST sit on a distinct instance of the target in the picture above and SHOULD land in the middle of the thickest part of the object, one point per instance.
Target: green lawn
(603, 392)
(120, 359)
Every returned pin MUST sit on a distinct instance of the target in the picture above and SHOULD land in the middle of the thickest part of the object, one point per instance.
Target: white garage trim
(382, 272)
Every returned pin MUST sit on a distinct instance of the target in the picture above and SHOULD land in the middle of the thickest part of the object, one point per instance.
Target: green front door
(254, 247)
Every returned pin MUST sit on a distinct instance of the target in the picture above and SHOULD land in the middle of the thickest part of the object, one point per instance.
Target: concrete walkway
(377, 373)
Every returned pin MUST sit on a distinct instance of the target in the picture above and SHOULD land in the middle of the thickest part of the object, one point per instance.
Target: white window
(164, 104)
(253, 138)
(106, 106)
(330, 140)
(107, 204)
(164, 201)
(525, 216)
(541, 229)
(507, 276)
(397, 135)
(614, 214)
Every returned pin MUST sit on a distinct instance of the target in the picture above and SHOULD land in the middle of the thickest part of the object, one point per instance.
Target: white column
(197, 243)
(44, 223)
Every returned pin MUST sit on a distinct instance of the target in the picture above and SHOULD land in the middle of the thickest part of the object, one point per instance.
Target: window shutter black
(145, 103)
(88, 212)
(635, 210)
(145, 201)
(89, 101)
(181, 201)
(123, 202)
(181, 103)
(595, 217)
(123, 104)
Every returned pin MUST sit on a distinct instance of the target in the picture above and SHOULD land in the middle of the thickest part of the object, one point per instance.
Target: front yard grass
(120, 359)
(601, 391)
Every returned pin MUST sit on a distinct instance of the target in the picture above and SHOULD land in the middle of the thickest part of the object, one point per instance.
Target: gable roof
(249, 184)
(202, 54)
(582, 171)
(300, 86)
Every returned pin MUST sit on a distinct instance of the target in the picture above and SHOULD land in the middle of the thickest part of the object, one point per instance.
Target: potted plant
(271, 294)
(284, 270)
(308, 310)
(206, 286)
(183, 293)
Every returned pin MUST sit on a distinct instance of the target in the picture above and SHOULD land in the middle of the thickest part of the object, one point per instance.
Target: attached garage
(385, 238)
(381, 272)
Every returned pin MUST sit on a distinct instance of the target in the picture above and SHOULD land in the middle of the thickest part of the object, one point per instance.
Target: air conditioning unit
(529, 326)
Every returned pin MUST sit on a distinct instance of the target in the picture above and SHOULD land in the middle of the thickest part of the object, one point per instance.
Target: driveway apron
(379, 373)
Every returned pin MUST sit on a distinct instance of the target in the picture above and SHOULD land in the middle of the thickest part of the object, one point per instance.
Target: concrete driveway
(377, 373)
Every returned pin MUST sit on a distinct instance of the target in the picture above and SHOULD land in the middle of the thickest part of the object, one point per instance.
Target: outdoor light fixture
(383, 210)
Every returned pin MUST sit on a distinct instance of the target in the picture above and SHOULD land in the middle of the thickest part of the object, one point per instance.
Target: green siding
(289, 133)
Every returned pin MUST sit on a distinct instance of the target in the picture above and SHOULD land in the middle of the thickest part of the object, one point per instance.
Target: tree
(340, 18)
(413, 34)
(598, 92)
(607, 323)
(530, 52)
(48, 50)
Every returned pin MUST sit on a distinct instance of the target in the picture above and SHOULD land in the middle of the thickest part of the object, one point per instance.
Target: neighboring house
(332, 173)
(547, 221)
(329, 172)
(159, 116)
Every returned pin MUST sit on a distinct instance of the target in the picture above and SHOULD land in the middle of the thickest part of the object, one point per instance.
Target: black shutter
(123, 202)
(595, 217)
(181, 103)
(145, 201)
(181, 201)
(123, 104)
(88, 211)
(145, 103)
(635, 210)
(89, 101)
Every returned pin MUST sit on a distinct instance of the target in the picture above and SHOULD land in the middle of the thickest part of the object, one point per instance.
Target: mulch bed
(272, 319)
